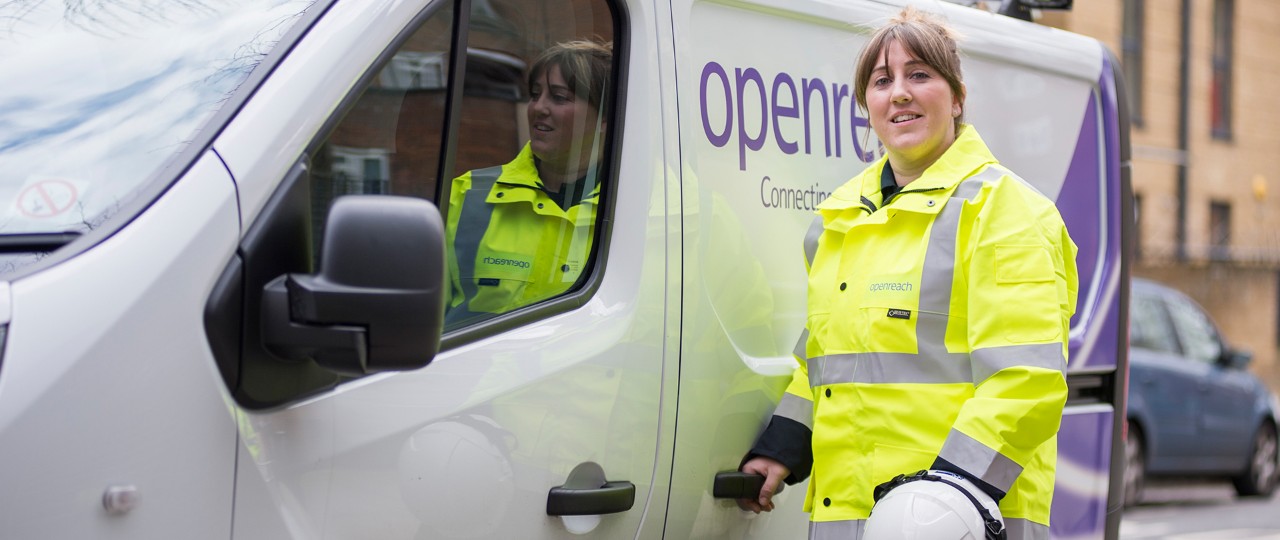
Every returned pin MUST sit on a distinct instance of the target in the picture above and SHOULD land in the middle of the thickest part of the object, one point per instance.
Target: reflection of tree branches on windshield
(12, 262)
(91, 222)
(251, 52)
(11, 224)
(15, 10)
(102, 17)
(248, 56)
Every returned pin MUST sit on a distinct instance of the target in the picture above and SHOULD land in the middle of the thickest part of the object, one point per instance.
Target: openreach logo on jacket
(748, 108)
(503, 261)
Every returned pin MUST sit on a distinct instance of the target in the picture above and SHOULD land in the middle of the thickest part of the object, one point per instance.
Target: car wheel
(1135, 464)
(1259, 479)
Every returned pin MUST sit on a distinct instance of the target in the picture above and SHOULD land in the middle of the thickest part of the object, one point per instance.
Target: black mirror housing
(1046, 4)
(1235, 358)
(377, 300)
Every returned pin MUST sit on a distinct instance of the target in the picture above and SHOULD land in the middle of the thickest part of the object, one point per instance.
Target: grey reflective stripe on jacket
(980, 460)
(933, 364)
(811, 239)
(801, 349)
(936, 368)
(473, 222)
(795, 408)
(853, 529)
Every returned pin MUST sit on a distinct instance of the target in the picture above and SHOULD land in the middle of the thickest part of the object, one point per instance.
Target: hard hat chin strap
(994, 527)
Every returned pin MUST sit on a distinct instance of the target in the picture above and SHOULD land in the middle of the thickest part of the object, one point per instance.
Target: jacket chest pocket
(497, 264)
(888, 307)
(500, 279)
(890, 328)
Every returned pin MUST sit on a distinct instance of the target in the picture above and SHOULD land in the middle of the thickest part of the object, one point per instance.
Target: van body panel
(469, 446)
(734, 119)
(256, 516)
(655, 95)
(108, 380)
(1080, 490)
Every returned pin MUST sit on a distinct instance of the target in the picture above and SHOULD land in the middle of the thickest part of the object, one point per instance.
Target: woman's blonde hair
(585, 65)
(926, 37)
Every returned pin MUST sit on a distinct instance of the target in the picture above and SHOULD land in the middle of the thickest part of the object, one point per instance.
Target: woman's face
(562, 126)
(912, 108)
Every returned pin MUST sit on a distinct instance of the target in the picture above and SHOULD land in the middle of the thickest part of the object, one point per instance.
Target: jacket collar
(522, 172)
(927, 194)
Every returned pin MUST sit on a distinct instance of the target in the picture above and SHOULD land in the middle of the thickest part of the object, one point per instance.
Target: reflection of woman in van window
(940, 292)
(521, 232)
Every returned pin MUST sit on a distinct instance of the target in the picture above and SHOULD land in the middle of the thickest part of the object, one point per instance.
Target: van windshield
(97, 96)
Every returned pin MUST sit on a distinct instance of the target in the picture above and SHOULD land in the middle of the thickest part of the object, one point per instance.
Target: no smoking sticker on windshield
(47, 198)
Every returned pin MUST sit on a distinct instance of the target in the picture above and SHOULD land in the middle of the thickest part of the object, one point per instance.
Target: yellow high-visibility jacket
(936, 338)
(509, 244)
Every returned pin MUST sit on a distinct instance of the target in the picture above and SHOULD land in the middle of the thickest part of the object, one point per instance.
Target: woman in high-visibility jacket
(521, 233)
(941, 286)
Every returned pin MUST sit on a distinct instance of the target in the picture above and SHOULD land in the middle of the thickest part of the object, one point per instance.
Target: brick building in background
(1201, 76)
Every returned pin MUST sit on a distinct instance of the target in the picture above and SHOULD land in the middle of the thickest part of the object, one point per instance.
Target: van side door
(539, 420)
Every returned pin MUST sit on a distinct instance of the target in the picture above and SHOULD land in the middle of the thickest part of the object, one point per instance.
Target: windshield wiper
(35, 242)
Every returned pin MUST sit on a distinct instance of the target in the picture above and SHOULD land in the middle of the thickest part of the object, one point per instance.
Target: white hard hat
(933, 505)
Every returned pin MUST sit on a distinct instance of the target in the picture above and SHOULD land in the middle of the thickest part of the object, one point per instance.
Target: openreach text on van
(782, 101)
(779, 107)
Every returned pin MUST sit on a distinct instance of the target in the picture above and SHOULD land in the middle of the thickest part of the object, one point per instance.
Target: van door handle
(587, 493)
(610, 498)
(738, 485)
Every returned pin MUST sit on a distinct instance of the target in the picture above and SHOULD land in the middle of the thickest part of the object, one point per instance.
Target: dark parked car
(1194, 409)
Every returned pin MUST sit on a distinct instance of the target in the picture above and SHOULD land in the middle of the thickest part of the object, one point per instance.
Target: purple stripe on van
(1079, 510)
(1078, 201)
(1113, 337)
(1082, 198)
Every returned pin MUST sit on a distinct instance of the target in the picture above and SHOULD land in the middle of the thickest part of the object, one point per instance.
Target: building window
(360, 170)
(1220, 92)
(1131, 55)
(415, 70)
(1219, 231)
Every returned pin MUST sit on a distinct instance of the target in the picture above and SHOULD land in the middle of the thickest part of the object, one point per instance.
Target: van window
(526, 176)
(389, 142)
(524, 202)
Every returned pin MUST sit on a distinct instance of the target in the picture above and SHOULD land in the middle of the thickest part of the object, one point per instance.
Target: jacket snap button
(539, 205)
(842, 286)
(828, 392)
(826, 502)
(564, 268)
(930, 203)
(500, 194)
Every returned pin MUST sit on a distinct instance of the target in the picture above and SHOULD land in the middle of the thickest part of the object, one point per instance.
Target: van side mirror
(1021, 9)
(1046, 4)
(376, 302)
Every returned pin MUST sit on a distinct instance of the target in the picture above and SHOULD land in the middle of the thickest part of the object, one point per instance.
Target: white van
(198, 342)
